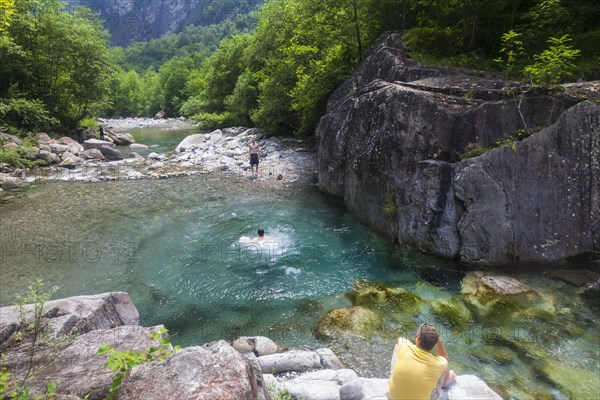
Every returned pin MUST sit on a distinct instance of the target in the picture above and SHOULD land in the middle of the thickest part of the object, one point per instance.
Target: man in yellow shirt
(417, 374)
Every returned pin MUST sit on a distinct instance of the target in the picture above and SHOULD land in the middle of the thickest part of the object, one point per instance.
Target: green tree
(555, 63)
(57, 57)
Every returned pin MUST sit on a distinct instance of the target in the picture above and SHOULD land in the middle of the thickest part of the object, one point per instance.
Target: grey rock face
(538, 200)
(391, 142)
(212, 372)
(80, 314)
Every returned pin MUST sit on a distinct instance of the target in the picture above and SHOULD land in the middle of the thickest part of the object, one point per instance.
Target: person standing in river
(416, 373)
(253, 150)
(101, 132)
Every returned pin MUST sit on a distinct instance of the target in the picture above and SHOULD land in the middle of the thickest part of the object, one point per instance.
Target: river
(181, 248)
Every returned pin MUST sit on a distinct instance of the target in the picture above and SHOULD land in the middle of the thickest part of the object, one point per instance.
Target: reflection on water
(184, 249)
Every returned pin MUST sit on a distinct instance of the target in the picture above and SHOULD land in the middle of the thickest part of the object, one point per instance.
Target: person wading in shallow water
(253, 152)
(417, 374)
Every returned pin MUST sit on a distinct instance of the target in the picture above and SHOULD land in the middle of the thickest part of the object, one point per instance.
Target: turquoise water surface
(182, 248)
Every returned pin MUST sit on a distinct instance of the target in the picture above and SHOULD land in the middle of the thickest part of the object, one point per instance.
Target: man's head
(427, 337)
(261, 232)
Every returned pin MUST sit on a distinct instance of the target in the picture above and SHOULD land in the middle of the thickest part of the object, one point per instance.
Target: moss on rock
(378, 295)
(453, 311)
(493, 296)
(493, 354)
(350, 320)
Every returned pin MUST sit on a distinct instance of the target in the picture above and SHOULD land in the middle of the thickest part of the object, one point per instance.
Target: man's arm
(394, 357)
(449, 375)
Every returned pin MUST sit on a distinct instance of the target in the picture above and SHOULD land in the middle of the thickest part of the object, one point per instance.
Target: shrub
(30, 114)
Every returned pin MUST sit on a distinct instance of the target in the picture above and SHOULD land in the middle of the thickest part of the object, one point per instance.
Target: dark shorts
(253, 159)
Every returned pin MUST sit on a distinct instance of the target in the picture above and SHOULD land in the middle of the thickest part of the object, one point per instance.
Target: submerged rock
(351, 320)
(453, 311)
(503, 297)
(371, 294)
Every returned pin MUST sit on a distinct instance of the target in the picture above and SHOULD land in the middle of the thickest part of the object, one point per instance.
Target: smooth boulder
(214, 371)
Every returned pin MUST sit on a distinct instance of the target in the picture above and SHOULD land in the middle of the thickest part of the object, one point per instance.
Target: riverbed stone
(122, 139)
(138, 146)
(259, 345)
(350, 320)
(373, 294)
(110, 153)
(48, 157)
(10, 183)
(214, 371)
(73, 146)
(32, 153)
(7, 137)
(93, 154)
(292, 360)
(57, 148)
(97, 144)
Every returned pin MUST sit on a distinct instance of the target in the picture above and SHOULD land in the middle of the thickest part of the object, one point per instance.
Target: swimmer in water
(261, 236)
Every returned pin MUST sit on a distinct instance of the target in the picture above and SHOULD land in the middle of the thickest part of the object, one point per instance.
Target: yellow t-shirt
(415, 373)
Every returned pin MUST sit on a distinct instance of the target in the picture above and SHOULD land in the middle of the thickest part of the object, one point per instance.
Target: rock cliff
(138, 21)
(391, 142)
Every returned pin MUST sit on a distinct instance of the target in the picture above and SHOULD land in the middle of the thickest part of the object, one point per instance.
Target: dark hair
(428, 336)
(261, 232)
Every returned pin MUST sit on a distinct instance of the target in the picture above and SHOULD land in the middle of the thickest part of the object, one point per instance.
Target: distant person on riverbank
(253, 152)
(416, 373)
(79, 132)
(101, 132)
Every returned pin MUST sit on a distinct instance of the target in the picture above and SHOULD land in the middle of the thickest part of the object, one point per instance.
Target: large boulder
(121, 139)
(214, 371)
(10, 183)
(198, 140)
(76, 367)
(110, 153)
(391, 142)
(74, 315)
(93, 154)
(73, 146)
(97, 144)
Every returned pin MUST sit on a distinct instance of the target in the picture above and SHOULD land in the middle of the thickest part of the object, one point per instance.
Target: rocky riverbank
(247, 368)
(221, 154)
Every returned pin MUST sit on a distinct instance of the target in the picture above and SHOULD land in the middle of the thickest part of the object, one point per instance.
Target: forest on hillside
(275, 67)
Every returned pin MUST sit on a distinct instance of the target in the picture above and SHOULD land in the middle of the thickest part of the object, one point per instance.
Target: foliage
(28, 114)
(7, 9)
(512, 51)
(33, 328)
(475, 149)
(54, 57)
(389, 208)
(554, 63)
(278, 394)
(9, 389)
(434, 40)
(211, 121)
(123, 361)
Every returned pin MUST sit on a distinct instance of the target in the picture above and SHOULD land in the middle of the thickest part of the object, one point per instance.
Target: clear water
(181, 248)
